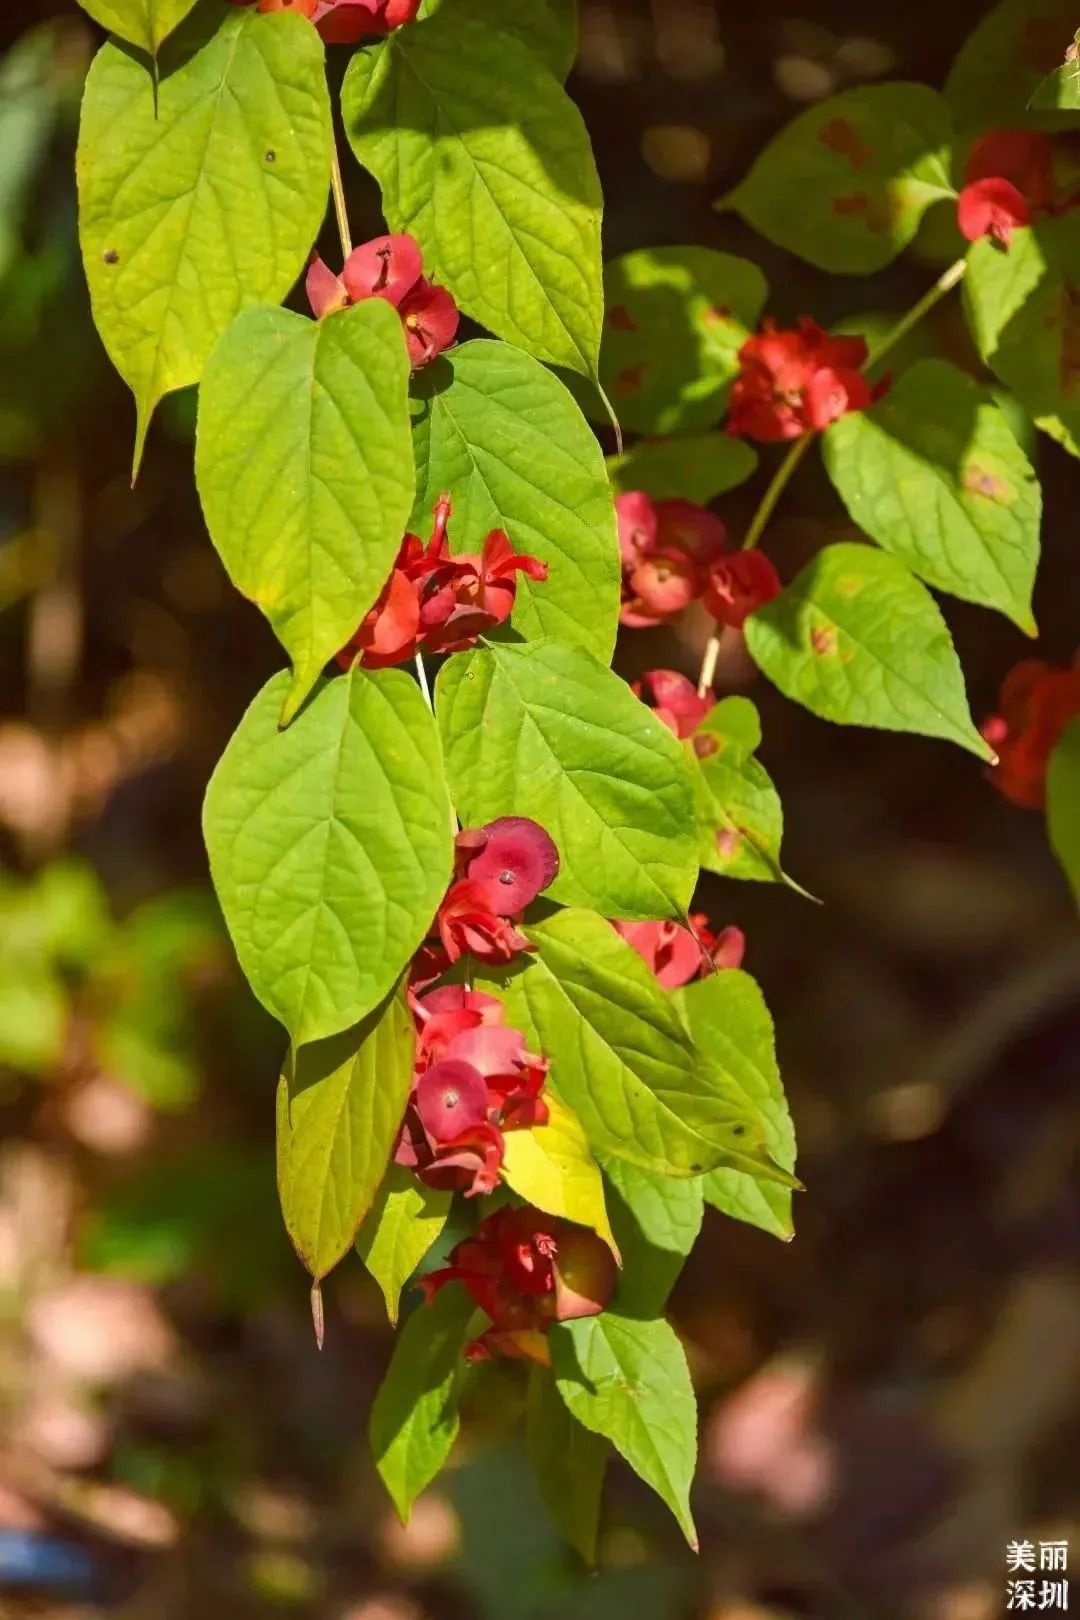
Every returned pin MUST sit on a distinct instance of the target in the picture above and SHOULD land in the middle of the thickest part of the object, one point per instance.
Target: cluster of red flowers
(1008, 181)
(673, 552)
(391, 268)
(674, 700)
(474, 1079)
(526, 1270)
(439, 603)
(343, 22)
(676, 954)
(1037, 702)
(797, 381)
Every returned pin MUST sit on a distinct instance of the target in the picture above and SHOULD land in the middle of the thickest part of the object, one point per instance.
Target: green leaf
(414, 1417)
(548, 28)
(544, 730)
(697, 467)
(628, 1381)
(1002, 63)
(728, 1018)
(656, 1220)
(505, 438)
(305, 470)
(568, 1462)
(209, 202)
(846, 183)
(934, 474)
(1063, 803)
(1023, 308)
(739, 818)
(330, 846)
(857, 640)
(551, 1167)
(145, 23)
(482, 157)
(400, 1228)
(1060, 90)
(339, 1109)
(623, 1060)
(676, 319)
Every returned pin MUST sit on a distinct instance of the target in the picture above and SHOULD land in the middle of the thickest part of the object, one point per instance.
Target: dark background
(886, 1401)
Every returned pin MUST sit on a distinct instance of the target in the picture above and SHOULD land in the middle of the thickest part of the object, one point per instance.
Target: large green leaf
(403, 1223)
(1063, 804)
(552, 1168)
(728, 1018)
(146, 23)
(305, 470)
(676, 319)
(934, 474)
(696, 467)
(656, 1220)
(544, 730)
(482, 157)
(568, 1462)
(339, 1109)
(505, 437)
(1002, 63)
(846, 183)
(623, 1059)
(1023, 308)
(330, 845)
(740, 821)
(207, 202)
(628, 1381)
(857, 640)
(547, 27)
(414, 1417)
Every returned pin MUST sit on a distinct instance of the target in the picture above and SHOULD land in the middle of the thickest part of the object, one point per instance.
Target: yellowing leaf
(551, 1167)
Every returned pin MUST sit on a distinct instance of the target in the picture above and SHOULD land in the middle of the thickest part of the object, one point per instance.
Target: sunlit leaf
(856, 639)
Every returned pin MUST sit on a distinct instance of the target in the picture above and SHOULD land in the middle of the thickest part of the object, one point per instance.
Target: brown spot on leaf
(857, 203)
(111, 256)
(621, 319)
(631, 380)
(979, 481)
(728, 840)
(717, 315)
(822, 640)
(841, 137)
(705, 745)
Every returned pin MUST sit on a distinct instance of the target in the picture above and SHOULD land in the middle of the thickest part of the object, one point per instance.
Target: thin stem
(779, 482)
(421, 675)
(944, 284)
(612, 418)
(338, 190)
(708, 666)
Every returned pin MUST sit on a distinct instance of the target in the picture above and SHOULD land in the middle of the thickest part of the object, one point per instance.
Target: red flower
(674, 700)
(389, 267)
(438, 602)
(665, 549)
(467, 925)
(668, 950)
(1037, 702)
(1008, 178)
(675, 955)
(343, 22)
(797, 381)
(725, 949)
(511, 859)
(737, 586)
(525, 1270)
(474, 1079)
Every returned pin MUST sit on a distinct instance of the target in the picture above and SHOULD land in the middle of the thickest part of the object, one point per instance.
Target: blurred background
(887, 1400)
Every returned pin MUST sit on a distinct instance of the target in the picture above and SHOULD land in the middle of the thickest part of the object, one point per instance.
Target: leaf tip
(318, 1314)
